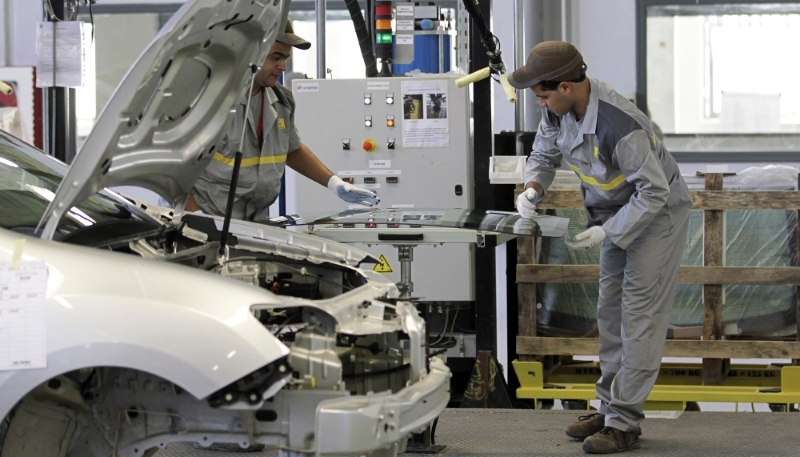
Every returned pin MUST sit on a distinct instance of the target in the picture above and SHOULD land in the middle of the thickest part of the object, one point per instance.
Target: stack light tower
(383, 36)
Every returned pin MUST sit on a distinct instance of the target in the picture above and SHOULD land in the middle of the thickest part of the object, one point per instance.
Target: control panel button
(369, 145)
(345, 144)
(390, 98)
(392, 179)
(390, 121)
(369, 180)
(390, 143)
(367, 99)
(367, 121)
(349, 180)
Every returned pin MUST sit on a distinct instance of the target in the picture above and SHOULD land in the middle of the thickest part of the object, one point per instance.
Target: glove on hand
(525, 203)
(587, 239)
(351, 193)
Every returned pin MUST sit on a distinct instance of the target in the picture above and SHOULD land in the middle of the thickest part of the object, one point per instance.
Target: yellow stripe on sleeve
(252, 161)
(616, 182)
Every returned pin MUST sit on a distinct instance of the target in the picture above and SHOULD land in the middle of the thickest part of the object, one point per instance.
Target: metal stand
(405, 253)
(424, 443)
(418, 443)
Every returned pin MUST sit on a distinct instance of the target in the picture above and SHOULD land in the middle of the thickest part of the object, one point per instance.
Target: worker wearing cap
(637, 208)
(271, 142)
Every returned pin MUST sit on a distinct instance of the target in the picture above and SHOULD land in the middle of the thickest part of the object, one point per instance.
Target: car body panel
(341, 422)
(193, 328)
(163, 122)
(159, 317)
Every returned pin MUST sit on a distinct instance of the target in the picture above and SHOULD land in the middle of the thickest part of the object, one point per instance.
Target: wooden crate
(713, 349)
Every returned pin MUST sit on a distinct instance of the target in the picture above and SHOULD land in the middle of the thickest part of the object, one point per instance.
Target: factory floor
(505, 432)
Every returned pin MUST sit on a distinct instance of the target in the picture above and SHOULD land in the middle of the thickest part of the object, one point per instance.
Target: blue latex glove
(525, 203)
(587, 239)
(351, 193)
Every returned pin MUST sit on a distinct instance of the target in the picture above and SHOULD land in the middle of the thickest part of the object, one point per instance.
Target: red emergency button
(368, 145)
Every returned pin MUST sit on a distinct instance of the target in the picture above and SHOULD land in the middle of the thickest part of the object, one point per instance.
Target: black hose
(364, 40)
(487, 38)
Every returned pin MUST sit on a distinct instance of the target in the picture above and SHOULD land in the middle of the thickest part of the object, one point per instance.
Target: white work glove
(587, 239)
(351, 193)
(525, 203)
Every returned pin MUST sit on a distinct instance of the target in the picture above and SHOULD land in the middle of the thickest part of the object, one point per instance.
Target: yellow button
(390, 122)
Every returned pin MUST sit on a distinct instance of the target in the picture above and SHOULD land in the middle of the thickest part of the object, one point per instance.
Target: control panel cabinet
(409, 141)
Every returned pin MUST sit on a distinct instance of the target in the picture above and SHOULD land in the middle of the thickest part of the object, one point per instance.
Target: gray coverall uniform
(260, 174)
(632, 187)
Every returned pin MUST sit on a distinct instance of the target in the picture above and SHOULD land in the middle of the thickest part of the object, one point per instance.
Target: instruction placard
(22, 315)
(425, 113)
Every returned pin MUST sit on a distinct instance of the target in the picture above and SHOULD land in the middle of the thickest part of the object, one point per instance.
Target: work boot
(586, 426)
(610, 440)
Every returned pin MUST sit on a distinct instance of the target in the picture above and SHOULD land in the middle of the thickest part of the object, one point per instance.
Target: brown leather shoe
(586, 426)
(610, 440)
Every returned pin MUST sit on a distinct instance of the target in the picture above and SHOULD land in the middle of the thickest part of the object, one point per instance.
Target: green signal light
(384, 38)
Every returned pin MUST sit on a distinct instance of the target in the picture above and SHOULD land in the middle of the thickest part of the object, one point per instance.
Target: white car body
(143, 351)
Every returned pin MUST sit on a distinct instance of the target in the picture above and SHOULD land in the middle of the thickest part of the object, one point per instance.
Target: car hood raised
(161, 125)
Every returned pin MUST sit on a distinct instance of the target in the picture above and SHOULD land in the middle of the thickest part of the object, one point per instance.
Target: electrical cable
(286, 322)
(91, 19)
(489, 40)
(364, 38)
(51, 11)
(444, 328)
(458, 327)
(450, 337)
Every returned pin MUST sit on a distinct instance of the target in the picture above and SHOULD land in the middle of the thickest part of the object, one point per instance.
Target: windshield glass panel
(474, 219)
(28, 181)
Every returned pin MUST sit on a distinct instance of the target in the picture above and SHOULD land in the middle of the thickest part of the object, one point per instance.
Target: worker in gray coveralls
(271, 142)
(637, 207)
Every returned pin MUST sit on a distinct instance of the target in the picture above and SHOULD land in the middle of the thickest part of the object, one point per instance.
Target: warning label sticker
(384, 266)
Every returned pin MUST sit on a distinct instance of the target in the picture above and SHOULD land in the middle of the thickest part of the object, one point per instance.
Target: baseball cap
(549, 61)
(291, 39)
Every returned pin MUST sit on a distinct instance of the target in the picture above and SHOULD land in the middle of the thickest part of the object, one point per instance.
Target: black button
(392, 179)
(459, 189)
(348, 180)
(369, 180)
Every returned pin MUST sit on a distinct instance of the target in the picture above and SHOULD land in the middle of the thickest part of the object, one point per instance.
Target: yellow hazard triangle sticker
(384, 266)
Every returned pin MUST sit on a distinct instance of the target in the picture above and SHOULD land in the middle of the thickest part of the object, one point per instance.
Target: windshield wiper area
(112, 233)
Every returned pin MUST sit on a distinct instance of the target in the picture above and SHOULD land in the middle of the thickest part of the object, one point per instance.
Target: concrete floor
(497, 432)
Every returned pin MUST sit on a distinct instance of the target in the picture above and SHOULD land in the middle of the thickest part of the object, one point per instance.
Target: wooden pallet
(713, 275)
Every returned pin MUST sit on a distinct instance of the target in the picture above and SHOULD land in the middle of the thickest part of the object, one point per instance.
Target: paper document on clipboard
(22, 315)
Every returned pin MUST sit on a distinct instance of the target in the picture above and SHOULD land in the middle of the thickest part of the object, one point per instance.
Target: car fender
(190, 327)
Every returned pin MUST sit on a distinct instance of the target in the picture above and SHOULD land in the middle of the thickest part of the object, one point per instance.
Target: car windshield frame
(28, 182)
